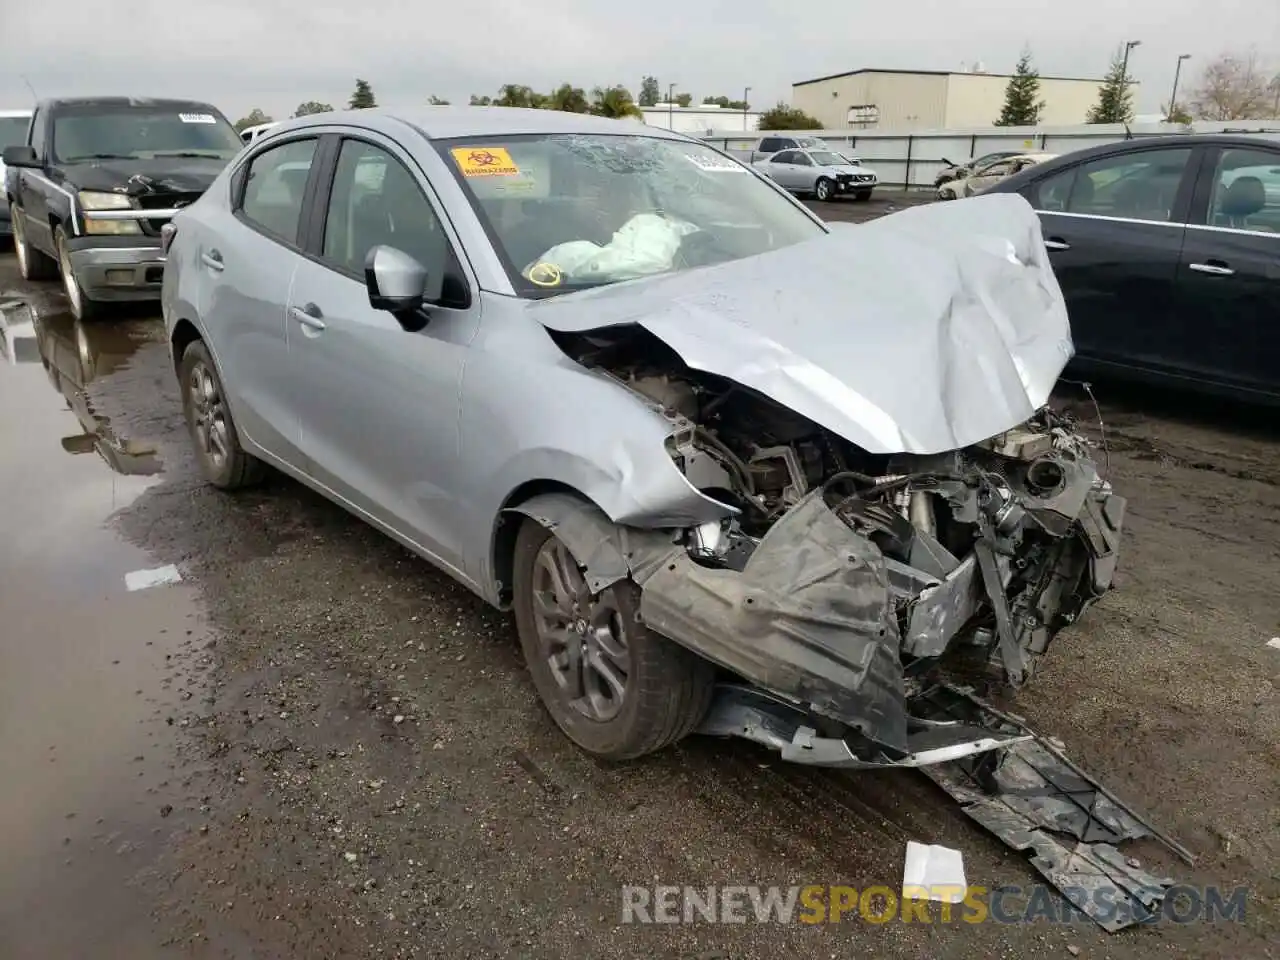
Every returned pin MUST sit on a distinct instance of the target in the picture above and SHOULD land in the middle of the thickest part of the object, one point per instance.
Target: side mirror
(20, 156)
(397, 283)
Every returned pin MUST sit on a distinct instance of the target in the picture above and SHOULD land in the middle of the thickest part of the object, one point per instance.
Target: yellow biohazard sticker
(543, 274)
(485, 162)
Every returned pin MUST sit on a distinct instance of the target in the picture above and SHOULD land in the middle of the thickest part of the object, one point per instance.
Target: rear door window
(1246, 190)
(275, 183)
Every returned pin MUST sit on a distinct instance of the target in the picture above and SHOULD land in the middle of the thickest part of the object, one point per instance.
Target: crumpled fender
(808, 618)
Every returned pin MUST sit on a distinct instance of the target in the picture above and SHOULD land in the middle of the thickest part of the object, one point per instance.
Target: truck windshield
(13, 131)
(142, 132)
(568, 211)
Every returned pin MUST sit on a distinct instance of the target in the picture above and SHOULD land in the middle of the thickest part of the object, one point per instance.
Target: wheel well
(507, 528)
(184, 334)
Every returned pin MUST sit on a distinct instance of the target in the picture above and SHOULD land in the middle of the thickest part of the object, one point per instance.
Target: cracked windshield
(577, 211)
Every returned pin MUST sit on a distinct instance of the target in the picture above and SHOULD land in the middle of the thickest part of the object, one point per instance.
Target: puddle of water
(90, 673)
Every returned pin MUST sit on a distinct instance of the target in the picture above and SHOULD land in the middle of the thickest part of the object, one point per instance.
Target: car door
(1228, 286)
(1114, 227)
(379, 404)
(249, 259)
(782, 168)
(34, 190)
(802, 172)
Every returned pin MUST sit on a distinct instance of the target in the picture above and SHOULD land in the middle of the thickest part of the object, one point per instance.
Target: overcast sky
(273, 54)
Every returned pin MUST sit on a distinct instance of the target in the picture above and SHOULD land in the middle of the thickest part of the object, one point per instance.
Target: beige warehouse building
(933, 99)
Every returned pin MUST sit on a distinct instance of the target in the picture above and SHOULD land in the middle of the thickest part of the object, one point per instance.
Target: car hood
(145, 176)
(921, 332)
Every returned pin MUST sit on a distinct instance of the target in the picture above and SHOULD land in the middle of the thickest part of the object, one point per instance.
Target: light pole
(1124, 67)
(1173, 97)
(745, 107)
(671, 92)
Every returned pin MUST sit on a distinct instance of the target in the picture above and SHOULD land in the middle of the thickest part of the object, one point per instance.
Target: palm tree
(614, 102)
(568, 98)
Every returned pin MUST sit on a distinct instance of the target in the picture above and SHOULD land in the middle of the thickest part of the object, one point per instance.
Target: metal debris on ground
(1035, 799)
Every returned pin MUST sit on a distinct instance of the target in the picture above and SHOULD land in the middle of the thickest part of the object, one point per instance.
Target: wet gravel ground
(351, 762)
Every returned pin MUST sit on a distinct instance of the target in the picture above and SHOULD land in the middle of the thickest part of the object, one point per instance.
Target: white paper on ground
(933, 873)
(1274, 643)
(141, 579)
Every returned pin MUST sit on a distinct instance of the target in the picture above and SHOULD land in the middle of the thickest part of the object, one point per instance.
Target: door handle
(309, 316)
(1055, 243)
(1213, 269)
(213, 260)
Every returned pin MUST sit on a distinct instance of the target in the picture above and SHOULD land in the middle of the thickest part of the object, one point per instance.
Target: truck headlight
(101, 200)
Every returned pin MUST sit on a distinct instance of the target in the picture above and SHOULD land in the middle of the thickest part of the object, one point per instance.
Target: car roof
(178, 102)
(15, 113)
(447, 122)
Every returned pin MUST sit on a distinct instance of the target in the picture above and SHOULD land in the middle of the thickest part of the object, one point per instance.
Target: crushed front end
(843, 578)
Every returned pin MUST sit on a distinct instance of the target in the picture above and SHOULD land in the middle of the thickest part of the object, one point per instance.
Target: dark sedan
(1168, 252)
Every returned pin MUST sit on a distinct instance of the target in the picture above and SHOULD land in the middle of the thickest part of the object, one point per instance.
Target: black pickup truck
(97, 179)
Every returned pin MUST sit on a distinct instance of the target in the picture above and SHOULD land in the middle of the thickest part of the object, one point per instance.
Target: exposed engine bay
(976, 557)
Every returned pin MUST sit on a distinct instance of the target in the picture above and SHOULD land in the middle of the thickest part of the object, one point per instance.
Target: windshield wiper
(98, 156)
(187, 153)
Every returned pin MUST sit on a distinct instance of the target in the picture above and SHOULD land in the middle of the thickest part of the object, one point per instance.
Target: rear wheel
(82, 308)
(613, 687)
(223, 462)
(823, 189)
(32, 264)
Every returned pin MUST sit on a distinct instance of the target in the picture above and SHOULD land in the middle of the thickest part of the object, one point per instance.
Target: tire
(205, 408)
(82, 308)
(667, 689)
(824, 190)
(32, 264)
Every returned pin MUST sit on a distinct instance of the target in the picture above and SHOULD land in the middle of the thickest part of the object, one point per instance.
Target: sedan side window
(374, 201)
(1138, 185)
(274, 186)
(1246, 190)
(803, 160)
(786, 156)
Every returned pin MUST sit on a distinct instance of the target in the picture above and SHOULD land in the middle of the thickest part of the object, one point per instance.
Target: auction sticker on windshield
(485, 162)
(714, 163)
(197, 118)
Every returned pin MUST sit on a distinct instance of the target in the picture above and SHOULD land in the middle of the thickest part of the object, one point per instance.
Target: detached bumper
(117, 268)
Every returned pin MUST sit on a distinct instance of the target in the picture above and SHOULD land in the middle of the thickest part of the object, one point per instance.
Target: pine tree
(1115, 97)
(362, 97)
(649, 92)
(1022, 106)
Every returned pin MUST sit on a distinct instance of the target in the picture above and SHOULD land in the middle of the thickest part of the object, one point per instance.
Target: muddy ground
(318, 746)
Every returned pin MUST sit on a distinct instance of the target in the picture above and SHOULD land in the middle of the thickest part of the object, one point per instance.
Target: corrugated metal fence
(913, 159)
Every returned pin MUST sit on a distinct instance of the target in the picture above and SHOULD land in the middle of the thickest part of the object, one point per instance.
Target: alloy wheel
(581, 636)
(208, 415)
(69, 278)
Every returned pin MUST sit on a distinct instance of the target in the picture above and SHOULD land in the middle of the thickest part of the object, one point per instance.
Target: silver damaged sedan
(734, 470)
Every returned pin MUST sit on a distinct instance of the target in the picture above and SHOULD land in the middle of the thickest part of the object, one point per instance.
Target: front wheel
(82, 308)
(823, 189)
(613, 687)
